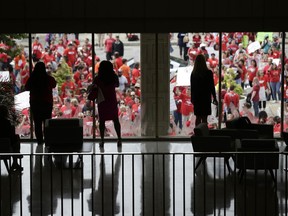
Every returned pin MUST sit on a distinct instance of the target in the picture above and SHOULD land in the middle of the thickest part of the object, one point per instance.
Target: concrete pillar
(155, 99)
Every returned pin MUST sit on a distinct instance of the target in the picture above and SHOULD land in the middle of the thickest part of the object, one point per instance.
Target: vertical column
(148, 84)
(155, 65)
(163, 83)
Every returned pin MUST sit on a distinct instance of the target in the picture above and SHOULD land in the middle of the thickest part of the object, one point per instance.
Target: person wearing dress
(107, 81)
(202, 89)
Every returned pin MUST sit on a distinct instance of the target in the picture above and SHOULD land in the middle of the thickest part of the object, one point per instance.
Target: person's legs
(278, 90)
(204, 119)
(264, 104)
(38, 127)
(117, 127)
(256, 108)
(273, 90)
(102, 130)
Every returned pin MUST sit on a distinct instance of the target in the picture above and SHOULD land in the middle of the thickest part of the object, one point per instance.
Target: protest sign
(253, 47)
(22, 100)
(183, 76)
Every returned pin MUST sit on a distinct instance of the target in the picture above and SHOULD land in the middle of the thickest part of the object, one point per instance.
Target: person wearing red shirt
(275, 83)
(209, 39)
(37, 48)
(213, 61)
(241, 69)
(264, 87)
(48, 57)
(192, 52)
(68, 109)
(19, 62)
(24, 74)
(137, 90)
(108, 43)
(196, 40)
(97, 64)
(252, 71)
(238, 37)
(118, 60)
(68, 85)
(231, 100)
(255, 95)
(77, 74)
(126, 71)
(135, 73)
(202, 50)
(70, 55)
(186, 106)
(59, 50)
(276, 53)
(177, 113)
(233, 46)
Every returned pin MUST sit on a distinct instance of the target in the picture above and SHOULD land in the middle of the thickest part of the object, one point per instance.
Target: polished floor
(141, 178)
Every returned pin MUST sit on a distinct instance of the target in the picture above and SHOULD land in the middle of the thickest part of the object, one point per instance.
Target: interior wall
(144, 16)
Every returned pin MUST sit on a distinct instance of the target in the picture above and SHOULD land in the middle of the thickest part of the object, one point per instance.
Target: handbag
(185, 39)
(92, 91)
(95, 93)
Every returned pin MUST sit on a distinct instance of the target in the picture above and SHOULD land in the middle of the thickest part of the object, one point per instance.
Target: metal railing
(144, 184)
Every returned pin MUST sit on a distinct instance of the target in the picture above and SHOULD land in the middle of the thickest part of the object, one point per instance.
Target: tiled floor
(141, 178)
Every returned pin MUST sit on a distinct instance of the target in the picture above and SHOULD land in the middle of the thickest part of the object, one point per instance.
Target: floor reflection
(103, 200)
(211, 192)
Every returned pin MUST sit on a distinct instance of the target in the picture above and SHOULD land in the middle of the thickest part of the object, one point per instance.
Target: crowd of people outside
(242, 72)
(251, 79)
(69, 60)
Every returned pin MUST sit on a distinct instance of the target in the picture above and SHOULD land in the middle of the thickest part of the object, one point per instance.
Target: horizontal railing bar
(144, 153)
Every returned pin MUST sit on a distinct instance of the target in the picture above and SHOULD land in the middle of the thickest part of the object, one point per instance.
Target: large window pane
(252, 59)
(125, 56)
(185, 47)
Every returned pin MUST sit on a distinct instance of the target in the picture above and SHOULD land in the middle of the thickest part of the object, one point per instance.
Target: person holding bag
(104, 84)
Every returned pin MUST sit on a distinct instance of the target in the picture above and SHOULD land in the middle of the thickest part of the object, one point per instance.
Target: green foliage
(10, 41)
(229, 80)
(7, 99)
(61, 73)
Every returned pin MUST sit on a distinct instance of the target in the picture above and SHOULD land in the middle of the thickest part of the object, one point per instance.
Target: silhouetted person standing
(202, 89)
(107, 81)
(40, 85)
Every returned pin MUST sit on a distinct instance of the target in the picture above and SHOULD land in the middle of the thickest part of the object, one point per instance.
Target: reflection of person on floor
(9, 195)
(7, 130)
(107, 190)
(39, 202)
(206, 202)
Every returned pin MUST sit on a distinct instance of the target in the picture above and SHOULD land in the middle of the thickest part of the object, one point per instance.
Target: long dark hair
(39, 76)
(106, 72)
(200, 66)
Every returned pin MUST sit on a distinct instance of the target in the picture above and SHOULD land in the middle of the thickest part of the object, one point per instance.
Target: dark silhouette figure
(118, 46)
(7, 130)
(202, 88)
(40, 85)
(106, 82)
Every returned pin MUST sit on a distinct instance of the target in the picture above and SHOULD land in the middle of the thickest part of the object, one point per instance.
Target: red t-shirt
(71, 55)
(108, 44)
(256, 88)
(275, 75)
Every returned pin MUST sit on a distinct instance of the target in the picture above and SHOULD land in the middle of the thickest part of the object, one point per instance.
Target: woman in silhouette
(40, 85)
(106, 82)
(202, 89)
